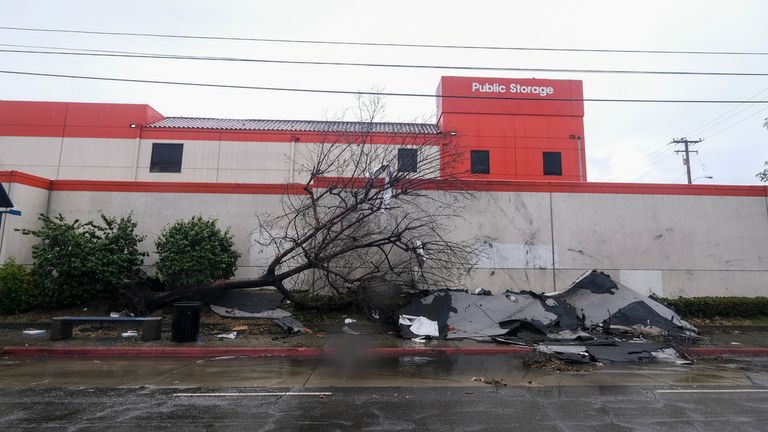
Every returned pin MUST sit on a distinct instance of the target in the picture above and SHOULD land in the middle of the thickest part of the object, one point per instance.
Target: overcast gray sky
(624, 141)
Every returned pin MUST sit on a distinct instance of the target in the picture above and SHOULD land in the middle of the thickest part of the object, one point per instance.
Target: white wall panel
(99, 153)
(32, 202)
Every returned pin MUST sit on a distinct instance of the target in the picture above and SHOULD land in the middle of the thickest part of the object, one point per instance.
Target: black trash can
(186, 321)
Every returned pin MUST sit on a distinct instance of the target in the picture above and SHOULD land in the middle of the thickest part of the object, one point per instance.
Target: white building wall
(154, 211)
(255, 162)
(33, 155)
(207, 161)
(663, 242)
(32, 201)
(97, 159)
(514, 232)
(670, 245)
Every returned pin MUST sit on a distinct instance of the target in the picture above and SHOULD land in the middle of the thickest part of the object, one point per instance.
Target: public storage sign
(512, 88)
(510, 96)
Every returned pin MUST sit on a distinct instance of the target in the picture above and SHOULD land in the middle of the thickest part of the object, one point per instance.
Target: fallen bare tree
(369, 215)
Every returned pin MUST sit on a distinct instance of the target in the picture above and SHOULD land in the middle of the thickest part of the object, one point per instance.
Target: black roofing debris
(610, 317)
(249, 300)
(255, 303)
(616, 351)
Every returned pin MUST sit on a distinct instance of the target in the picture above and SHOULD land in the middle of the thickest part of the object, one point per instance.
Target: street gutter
(206, 352)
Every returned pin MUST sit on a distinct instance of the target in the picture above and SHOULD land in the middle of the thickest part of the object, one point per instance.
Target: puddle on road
(698, 378)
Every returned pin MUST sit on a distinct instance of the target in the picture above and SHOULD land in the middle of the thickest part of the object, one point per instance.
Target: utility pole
(687, 158)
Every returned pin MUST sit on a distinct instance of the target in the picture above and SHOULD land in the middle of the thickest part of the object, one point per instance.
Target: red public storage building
(526, 129)
(494, 129)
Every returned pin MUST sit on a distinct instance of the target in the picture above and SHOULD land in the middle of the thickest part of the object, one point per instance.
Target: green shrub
(710, 307)
(74, 262)
(195, 252)
(15, 288)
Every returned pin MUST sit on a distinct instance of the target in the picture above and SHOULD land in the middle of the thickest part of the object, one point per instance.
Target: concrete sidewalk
(329, 340)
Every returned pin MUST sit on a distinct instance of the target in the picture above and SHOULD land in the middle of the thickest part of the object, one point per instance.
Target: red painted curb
(202, 352)
(198, 352)
(184, 352)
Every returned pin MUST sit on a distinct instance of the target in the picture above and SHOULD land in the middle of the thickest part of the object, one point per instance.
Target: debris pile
(256, 303)
(594, 310)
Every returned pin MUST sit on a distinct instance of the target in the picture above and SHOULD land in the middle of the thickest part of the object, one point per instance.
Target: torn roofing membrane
(613, 352)
(459, 314)
(435, 307)
(603, 302)
(593, 304)
(248, 300)
(256, 303)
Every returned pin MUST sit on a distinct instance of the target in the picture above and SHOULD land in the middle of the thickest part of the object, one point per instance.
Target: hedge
(15, 288)
(710, 307)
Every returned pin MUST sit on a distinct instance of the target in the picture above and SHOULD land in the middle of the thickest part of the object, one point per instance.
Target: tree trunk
(145, 300)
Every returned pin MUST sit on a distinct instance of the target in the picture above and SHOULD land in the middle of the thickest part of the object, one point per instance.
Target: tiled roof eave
(185, 123)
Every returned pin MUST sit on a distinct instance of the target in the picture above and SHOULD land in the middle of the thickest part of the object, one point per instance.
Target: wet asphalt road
(550, 408)
(384, 394)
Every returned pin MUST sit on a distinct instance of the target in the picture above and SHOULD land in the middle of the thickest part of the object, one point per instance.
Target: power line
(66, 48)
(127, 54)
(383, 44)
(652, 158)
(719, 119)
(636, 168)
(712, 124)
(643, 168)
(376, 93)
(738, 122)
(703, 166)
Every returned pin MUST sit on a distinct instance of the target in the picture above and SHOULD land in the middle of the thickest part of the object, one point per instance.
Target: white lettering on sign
(541, 91)
(488, 88)
(512, 88)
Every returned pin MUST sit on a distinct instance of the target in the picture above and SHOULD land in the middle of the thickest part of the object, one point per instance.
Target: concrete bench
(61, 327)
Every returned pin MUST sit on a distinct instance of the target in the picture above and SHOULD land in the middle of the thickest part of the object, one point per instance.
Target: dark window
(553, 164)
(166, 158)
(407, 160)
(480, 162)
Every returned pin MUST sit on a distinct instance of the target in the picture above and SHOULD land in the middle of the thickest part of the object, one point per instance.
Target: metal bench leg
(60, 330)
(150, 330)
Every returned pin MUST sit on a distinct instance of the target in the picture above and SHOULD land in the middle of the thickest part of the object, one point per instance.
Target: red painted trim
(443, 185)
(346, 182)
(100, 132)
(178, 134)
(177, 187)
(197, 352)
(258, 137)
(159, 351)
(74, 119)
(25, 179)
(658, 189)
(571, 187)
